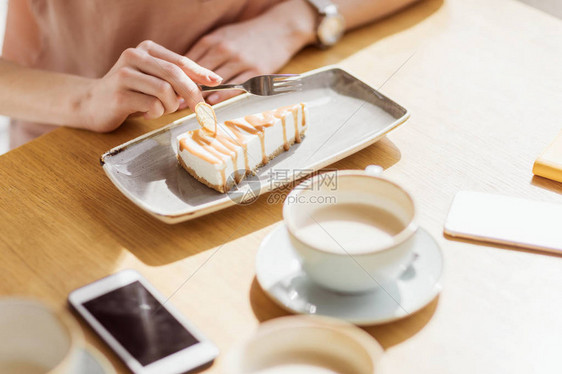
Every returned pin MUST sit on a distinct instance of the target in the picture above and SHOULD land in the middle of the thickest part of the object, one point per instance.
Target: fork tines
(286, 82)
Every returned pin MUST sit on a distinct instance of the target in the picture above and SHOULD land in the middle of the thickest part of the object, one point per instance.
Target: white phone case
(181, 361)
(506, 220)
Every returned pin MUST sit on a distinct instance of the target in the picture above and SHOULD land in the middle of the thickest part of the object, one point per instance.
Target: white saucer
(279, 274)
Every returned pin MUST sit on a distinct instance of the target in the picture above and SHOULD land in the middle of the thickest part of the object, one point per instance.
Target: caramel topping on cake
(220, 143)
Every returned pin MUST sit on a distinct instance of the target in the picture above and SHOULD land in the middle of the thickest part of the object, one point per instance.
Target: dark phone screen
(139, 322)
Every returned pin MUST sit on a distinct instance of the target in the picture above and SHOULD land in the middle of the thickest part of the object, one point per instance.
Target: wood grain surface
(482, 80)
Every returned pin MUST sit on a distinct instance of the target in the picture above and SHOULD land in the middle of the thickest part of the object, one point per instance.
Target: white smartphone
(145, 331)
(506, 220)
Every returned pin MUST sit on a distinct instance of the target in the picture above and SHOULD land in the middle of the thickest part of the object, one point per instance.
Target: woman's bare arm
(361, 12)
(41, 96)
(149, 79)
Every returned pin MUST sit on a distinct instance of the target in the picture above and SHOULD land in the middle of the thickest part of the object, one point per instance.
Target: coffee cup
(305, 345)
(353, 230)
(34, 339)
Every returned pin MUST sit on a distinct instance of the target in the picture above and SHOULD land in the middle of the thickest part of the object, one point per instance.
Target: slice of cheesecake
(222, 157)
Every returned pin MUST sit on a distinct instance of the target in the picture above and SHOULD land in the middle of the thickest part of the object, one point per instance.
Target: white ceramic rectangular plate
(346, 115)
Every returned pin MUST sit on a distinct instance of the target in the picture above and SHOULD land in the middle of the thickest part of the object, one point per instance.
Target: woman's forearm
(303, 16)
(360, 12)
(42, 96)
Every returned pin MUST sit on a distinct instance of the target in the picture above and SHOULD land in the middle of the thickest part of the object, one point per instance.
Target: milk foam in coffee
(350, 228)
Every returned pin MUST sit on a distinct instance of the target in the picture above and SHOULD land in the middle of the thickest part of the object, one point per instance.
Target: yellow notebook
(549, 163)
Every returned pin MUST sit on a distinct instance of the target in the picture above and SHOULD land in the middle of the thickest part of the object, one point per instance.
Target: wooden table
(483, 84)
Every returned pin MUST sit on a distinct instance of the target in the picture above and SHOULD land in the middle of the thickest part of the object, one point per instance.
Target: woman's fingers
(154, 80)
(230, 71)
(233, 70)
(214, 60)
(195, 71)
(138, 102)
(218, 96)
(155, 108)
(201, 47)
(167, 71)
(150, 85)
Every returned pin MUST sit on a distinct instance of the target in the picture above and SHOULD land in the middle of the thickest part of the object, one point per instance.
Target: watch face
(331, 29)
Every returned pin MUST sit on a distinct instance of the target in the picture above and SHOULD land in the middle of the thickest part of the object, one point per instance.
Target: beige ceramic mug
(34, 339)
(305, 345)
(353, 230)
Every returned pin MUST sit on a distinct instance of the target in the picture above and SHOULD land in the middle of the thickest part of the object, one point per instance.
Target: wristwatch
(330, 25)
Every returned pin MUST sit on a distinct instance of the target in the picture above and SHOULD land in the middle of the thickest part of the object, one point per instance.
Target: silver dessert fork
(263, 85)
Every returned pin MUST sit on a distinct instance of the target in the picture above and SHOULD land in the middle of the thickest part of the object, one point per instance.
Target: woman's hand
(261, 45)
(149, 79)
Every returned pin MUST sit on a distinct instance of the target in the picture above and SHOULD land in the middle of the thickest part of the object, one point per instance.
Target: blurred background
(553, 7)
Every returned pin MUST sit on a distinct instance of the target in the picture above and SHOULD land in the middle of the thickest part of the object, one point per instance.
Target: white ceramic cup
(305, 345)
(34, 339)
(349, 271)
